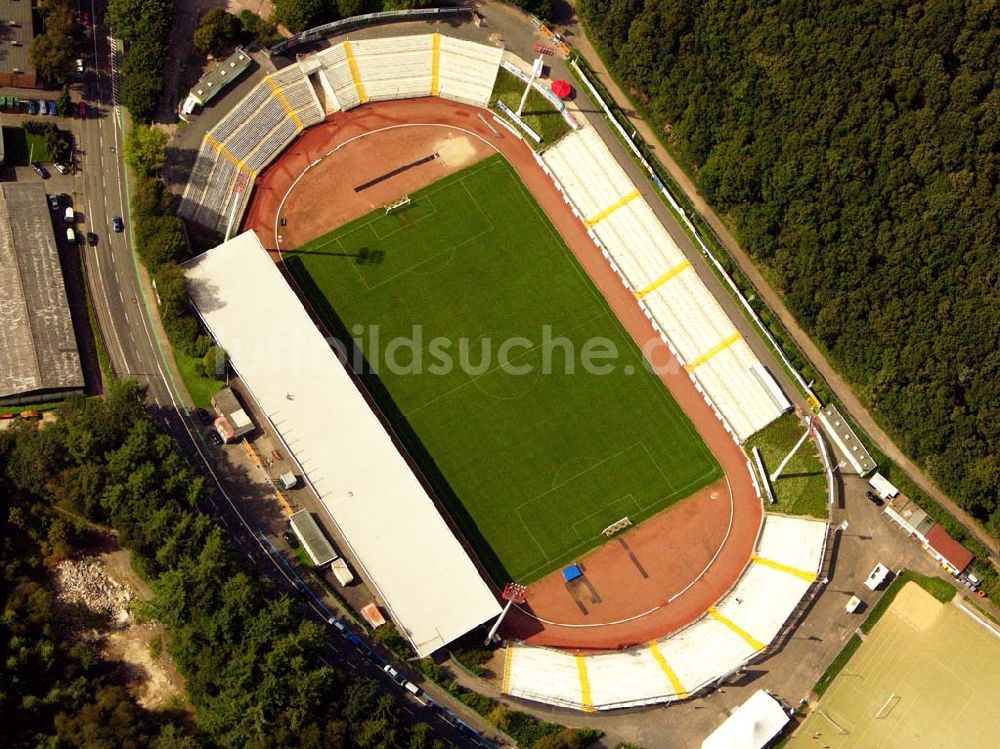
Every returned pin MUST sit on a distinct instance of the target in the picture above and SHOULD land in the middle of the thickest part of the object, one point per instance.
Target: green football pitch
(532, 455)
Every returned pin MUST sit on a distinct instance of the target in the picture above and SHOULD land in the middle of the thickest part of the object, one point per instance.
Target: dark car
(290, 539)
(40, 170)
(81, 109)
(214, 437)
(53, 202)
(65, 200)
(117, 224)
(874, 498)
(91, 239)
(85, 19)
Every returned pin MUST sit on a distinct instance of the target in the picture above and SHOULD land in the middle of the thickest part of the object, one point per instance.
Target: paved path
(574, 33)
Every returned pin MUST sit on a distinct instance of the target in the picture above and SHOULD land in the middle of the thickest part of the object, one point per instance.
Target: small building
(19, 34)
(949, 552)
(311, 537)
(882, 487)
(215, 81)
(289, 480)
(905, 513)
(232, 421)
(846, 440)
(753, 725)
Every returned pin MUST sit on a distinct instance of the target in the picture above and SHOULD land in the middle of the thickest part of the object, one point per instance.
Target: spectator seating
(786, 563)
(663, 280)
(256, 130)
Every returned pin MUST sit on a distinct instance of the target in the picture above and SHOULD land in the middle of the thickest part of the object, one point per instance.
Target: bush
(253, 28)
(214, 362)
(59, 143)
(146, 149)
(160, 240)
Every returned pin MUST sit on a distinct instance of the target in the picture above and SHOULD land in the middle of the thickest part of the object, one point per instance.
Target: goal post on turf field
(396, 204)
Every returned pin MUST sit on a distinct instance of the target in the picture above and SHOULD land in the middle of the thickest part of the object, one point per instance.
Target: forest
(854, 147)
(252, 662)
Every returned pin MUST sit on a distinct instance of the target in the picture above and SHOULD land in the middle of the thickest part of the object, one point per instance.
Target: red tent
(561, 88)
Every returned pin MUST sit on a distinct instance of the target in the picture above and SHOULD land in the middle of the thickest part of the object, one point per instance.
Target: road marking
(719, 347)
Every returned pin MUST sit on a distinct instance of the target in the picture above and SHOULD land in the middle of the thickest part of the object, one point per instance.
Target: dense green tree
(299, 15)
(854, 147)
(218, 31)
(160, 240)
(145, 149)
(54, 50)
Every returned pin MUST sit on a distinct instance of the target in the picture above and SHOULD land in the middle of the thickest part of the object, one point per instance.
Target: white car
(79, 65)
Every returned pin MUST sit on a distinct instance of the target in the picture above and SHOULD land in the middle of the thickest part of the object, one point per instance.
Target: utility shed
(313, 541)
(233, 422)
(39, 359)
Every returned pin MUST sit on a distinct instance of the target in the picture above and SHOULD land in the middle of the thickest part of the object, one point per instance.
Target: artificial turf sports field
(532, 466)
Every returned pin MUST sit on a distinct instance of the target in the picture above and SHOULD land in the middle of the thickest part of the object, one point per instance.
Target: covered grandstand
(788, 557)
(397, 536)
(349, 74)
(664, 282)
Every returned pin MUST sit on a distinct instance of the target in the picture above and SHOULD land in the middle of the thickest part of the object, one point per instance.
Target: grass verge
(539, 114)
(801, 487)
(200, 387)
(19, 145)
(834, 669)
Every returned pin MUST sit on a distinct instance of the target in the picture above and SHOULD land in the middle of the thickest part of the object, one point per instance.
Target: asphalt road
(135, 351)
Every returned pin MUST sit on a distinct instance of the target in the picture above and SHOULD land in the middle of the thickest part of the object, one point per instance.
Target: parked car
(53, 202)
(91, 239)
(214, 437)
(393, 674)
(79, 65)
(52, 108)
(874, 498)
(85, 19)
(61, 168)
(65, 199)
(81, 109)
(117, 224)
(40, 170)
(70, 236)
(43, 107)
(290, 539)
(32, 107)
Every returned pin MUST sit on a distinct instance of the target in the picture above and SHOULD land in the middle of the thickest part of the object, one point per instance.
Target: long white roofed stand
(424, 577)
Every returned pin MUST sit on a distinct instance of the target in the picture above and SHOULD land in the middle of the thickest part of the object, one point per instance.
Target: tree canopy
(855, 146)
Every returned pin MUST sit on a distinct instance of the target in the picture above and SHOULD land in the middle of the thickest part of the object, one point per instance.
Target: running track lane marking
(719, 347)
(804, 574)
(625, 200)
(750, 640)
(646, 291)
(586, 703)
(284, 102)
(679, 691)
(352, 63)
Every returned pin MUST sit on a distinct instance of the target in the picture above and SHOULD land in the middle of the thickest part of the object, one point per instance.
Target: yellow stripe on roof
(675, 683)
(804, 574)
(581, 668)
(284, 102)
(681, 266)
(612, 208)
(436, 65)
(695, 363)
(750, 640)
(352, 63)
(507, 661)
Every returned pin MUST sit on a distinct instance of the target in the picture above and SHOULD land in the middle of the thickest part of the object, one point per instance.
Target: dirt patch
(106, 586)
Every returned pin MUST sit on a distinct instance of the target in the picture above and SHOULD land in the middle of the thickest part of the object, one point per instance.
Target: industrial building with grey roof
(39, 359)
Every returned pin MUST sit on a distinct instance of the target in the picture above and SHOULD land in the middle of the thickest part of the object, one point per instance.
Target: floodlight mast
(512, 593)
(536, 70)
(781, 467)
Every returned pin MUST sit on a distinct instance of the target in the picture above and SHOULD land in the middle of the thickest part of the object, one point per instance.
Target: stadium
(380, 221)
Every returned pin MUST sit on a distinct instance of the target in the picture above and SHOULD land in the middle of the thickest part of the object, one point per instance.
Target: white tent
(751, 726)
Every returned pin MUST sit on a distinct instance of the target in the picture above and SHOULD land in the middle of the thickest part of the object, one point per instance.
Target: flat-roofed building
(397, 537)
(39, 359)
(15, 41)
(232, 421)
(312, 539)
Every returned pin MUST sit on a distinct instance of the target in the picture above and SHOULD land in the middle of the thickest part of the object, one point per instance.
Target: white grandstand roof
(751, 726)
(420, 570)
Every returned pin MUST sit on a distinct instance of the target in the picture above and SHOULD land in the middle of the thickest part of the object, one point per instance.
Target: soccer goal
(618, 525)
(397, 204)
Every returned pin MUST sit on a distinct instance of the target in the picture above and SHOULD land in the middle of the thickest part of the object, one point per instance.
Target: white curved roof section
(423, 576)
(788, 558)
(672, 295)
